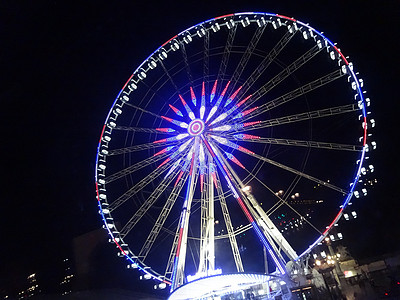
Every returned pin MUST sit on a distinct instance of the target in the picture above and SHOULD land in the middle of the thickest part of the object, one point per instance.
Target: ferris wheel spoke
(171, 80)
(159, 223)
(300, 143)
(288, 192)
(293, 94)
(276, 242)
(292, 170)
(226, 54)
(266, 61)
(169, 270)
(281, 202)
(281, 76)
(186, 61)
(206, 57)
(246, 57)
(141, 147)
(178, 273)
(143, 110)
(141, 129)
(171, 260)
(326, 112)
(135, 167)
(139, 186)
(161, 187)
(207, 236)
(229, 227)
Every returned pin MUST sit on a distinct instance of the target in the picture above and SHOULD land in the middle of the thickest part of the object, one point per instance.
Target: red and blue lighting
(204, 135)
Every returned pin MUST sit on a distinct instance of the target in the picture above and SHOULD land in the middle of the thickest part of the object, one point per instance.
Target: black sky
(63, 63)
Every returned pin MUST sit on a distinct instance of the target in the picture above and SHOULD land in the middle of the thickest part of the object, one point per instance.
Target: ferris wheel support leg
(278, 262)
(268, 227)
(207, 250)
(178, 274)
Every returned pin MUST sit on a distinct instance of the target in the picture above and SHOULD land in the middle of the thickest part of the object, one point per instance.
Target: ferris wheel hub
(196, 127)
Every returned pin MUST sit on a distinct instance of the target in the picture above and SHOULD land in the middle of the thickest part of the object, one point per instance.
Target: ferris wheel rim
(138, 72)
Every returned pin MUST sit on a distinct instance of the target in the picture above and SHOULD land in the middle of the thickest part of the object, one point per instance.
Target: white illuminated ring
(249, 99)
(196, 127)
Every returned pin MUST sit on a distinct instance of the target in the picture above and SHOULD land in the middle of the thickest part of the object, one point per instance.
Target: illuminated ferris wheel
(243, 132)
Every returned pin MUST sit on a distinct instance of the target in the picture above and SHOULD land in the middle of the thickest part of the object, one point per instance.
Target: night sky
(62, 66)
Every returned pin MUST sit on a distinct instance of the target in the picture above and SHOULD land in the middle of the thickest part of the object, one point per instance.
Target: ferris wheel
(242, 133)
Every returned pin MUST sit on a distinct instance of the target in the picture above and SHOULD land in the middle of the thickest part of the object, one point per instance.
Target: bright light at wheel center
(196, 127)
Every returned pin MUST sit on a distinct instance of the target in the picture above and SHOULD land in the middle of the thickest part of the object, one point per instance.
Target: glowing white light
(190, 154)
(183, 146)
(220, 118)
(230, 24)
(175, 46)
(182, 136)
(245, 22)
(220, 139)
(348, 274)
(183, 125)
(152, 64)
(202, 111)
(212, 112)
(132, 266)
(215, 27)
(175, 165)
(213, 148)
(222, 128)
(190, 278)
(201, 32)
(187, 39)
(364, 191)
(246, 189)
(142, 74)
(373, 123)
(201, 153)
(261, 22)
(163, 55)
